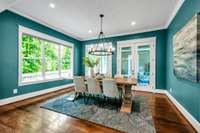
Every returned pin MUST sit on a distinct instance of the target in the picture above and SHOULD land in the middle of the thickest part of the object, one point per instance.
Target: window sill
(42, 81)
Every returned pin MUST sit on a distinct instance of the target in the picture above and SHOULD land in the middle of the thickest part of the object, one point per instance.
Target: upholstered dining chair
(80, 87)
(110, 90)
(94, 88)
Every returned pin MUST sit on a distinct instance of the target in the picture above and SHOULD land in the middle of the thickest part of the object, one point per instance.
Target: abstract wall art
(186, 50)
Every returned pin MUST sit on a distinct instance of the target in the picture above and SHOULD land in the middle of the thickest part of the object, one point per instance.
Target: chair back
(79, 84)
(93, 86)
(110, 88)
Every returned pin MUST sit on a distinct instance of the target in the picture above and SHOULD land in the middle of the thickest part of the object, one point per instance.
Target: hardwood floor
(27, 117)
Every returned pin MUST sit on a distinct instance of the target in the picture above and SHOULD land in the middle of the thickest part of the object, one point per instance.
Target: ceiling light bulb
(133, 23)
(89, 31)
(52, 5)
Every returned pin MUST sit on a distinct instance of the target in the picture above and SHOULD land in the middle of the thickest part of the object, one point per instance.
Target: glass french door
(137, 59)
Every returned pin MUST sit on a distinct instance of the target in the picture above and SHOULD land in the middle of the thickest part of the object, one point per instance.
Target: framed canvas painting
(186, 50)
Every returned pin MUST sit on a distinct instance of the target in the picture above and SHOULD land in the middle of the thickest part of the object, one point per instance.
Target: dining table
(126, 85)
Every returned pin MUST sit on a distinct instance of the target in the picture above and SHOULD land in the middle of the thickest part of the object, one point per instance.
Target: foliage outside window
(42, 59)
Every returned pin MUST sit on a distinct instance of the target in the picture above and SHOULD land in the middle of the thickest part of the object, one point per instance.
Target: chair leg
(75, 96)
(104, 100)
(84, 97)
(119, 103)
(98, 99)
(116, 103)
(88, 97)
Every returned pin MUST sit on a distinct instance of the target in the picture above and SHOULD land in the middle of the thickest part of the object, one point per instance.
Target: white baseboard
(143, 89)
(161, 91)
(183, 111)
(32, 94)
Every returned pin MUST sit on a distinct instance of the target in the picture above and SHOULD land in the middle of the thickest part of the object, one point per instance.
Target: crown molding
(128, 33)
(44, 23)
(175, 11)
(7, 6)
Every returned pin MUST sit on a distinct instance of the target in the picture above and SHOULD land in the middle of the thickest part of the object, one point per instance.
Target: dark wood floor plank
(27, 117)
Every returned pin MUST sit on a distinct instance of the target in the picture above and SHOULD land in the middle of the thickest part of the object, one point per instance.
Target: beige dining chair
(94, 89)
(110, 90)
(93, 86)
(80, 87)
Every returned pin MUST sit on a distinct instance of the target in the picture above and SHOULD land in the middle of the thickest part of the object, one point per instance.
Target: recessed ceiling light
(133, 23)
(89, 31)
(52, 5)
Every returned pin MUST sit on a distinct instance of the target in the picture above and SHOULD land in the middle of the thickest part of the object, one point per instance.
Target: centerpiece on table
(91, 63)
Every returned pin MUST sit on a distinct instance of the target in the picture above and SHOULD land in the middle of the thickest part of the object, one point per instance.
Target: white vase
(92, 72)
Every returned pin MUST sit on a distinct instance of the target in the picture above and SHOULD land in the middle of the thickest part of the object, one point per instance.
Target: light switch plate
(170, 89)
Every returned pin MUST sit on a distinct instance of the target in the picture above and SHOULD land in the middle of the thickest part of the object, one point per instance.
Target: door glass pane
(143, 65)
(126, 61)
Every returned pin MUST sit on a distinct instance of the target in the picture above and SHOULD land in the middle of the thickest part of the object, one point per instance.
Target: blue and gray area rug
(139, 121)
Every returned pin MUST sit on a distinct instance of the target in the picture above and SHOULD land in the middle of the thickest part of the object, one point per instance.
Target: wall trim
(8, 5)
(128, 33)
(184, 112)
(32, 94)
(160, 91)
(175, 11)
(44, 23)
(182, 109)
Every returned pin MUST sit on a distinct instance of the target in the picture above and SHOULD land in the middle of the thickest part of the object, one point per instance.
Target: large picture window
(43, 58)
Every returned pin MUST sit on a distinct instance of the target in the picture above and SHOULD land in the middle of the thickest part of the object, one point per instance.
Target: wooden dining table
(126, 84)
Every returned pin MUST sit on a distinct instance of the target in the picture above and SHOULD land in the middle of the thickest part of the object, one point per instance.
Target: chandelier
(100, 49)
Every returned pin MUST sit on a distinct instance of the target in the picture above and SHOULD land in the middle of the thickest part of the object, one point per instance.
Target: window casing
(105, 65)
(43, 58)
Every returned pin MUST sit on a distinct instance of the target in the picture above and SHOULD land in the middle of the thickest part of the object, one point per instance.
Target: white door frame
(133, 44)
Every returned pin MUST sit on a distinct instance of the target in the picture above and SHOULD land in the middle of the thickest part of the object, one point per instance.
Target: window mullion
(59, 60)
(43, 60)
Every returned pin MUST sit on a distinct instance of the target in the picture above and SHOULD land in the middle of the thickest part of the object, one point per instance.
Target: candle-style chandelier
(101, 49)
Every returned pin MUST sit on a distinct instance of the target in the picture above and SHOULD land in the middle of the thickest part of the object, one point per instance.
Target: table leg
(127, 100)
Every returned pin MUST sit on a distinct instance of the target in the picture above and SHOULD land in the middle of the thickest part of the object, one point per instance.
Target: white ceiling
(4, 4)
(76, 17)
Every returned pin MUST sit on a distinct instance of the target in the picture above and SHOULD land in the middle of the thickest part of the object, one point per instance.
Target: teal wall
(160, 53)
(187, 93)
(9, 54)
